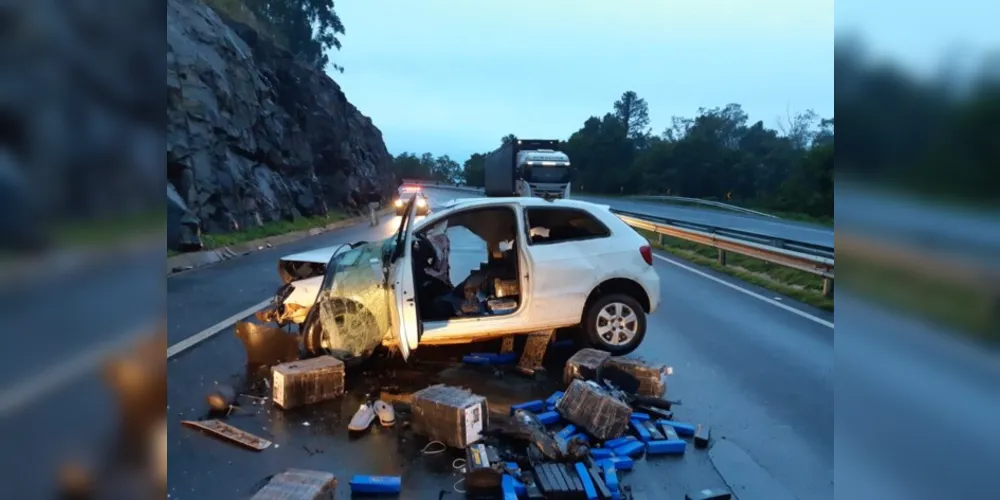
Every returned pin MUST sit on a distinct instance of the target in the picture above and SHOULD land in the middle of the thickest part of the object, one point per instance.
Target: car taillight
(647, 254)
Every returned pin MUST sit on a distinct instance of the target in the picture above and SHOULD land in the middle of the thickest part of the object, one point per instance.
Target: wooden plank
(224, 430)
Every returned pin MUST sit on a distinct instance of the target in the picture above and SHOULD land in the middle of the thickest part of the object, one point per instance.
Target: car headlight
(399, 202)
(421, 202)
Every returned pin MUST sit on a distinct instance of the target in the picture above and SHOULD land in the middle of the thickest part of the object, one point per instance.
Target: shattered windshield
(352, 305)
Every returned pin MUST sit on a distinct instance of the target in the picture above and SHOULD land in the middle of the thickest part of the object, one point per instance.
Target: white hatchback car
(530, 265)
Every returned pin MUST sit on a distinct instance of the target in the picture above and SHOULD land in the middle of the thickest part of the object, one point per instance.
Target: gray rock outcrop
(252, 135)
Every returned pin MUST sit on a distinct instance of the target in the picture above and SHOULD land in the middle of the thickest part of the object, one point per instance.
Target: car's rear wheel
(614, 323)
(322, 327)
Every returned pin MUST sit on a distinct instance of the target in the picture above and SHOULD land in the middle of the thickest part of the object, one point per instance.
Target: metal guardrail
(806, 257)
(716, 204)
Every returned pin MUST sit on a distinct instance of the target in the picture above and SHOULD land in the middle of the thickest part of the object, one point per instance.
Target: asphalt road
(781, 228)
(915, 408)
(760, 375)
(57, 328)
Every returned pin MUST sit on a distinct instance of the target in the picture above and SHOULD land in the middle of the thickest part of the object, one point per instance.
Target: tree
(800, 128)
(307, 27)
(714, 155)
(634, 113)
(474, 170)
(508, 138)
(446, 169)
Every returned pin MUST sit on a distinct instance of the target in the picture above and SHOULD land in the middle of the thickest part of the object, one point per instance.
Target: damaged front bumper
(283, 314)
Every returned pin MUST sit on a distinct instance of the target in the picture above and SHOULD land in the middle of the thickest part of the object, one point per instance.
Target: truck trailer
(528, 167)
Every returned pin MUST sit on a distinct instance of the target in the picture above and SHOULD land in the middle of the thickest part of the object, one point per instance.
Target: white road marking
(755, 295)
(213, 330)
(26, 392)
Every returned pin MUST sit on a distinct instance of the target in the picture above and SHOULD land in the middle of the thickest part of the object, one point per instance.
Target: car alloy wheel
(617, 324)
(614, 323)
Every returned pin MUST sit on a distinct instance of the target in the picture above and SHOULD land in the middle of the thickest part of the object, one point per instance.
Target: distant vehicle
(408, 191)
(529, 167)
(545, 265)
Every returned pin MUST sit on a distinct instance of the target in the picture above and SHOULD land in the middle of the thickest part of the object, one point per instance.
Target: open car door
(406, 321)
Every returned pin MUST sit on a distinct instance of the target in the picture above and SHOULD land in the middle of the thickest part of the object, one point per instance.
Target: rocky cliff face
(253, 136)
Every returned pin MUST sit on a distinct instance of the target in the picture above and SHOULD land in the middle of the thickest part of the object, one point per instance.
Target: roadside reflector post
(722, 257)
(828, 287)
(659, 237)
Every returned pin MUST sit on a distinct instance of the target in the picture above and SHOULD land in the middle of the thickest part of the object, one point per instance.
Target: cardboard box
(650, 377)
(307, 381)
(585, 365)
(587, 405)
(451, 415)
(299, 484)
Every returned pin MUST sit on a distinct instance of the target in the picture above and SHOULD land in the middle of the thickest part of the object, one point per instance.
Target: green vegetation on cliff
(307, 28)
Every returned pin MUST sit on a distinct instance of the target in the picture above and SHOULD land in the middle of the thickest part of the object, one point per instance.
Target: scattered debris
(309, 381)
(712, 494)
(702, 436)
(229, 432)
(376, 485)
(222, 399)
(486, 358)
(265, 345)
(298, 484)
(576, 443)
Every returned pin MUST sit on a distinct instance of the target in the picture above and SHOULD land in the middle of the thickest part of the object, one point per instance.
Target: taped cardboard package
(299, 484)
(650, 377)
(308, 381)
(585, 365)
(451, 415)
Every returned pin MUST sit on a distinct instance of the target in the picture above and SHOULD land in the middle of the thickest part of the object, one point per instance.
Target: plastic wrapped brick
(587, 405)
(299, 484)
(650, 377)
(585, 365)
(451, 415)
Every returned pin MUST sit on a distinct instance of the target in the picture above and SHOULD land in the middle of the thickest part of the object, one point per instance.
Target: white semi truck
(528, 167)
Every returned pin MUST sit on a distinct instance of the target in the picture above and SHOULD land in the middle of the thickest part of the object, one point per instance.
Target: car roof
(525, 201)
(600, 211)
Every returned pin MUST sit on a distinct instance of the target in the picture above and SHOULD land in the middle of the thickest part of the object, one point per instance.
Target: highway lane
(760, 375)
(57, 329)
(781, 228)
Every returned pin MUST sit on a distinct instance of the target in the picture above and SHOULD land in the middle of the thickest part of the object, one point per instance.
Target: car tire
(601, 331)
(312, 331)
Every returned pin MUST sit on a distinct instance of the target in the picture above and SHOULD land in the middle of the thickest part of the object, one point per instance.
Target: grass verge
(970, 311)
(275, 228)
(109, 231)
(801, 286)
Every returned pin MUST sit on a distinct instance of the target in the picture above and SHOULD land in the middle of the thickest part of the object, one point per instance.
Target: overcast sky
(454, 76)
(922, 35)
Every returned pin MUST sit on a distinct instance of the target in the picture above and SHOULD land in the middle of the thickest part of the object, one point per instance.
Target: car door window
(548, 225)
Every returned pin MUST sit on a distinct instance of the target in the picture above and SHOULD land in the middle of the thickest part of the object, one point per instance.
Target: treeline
(716, 155)
(306, 28)
(427, 167)
(937, 136)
